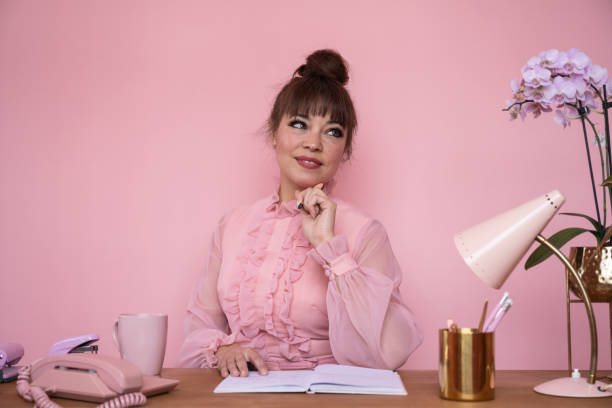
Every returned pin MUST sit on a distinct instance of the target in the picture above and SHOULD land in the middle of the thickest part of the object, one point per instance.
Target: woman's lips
(308, 162)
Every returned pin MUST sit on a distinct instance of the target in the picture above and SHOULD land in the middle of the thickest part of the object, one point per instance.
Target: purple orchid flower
(549, 59)
(596, 75)
(590, 100)
(536, 76)
(561, 118)
(577, 62)
(580, 84)
(540, 94)
(564, 91)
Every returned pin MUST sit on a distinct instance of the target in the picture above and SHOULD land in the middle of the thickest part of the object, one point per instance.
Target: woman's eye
(335, 132)
(298, 124)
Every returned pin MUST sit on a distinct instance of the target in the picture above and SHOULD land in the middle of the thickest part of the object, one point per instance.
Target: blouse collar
(282, 209)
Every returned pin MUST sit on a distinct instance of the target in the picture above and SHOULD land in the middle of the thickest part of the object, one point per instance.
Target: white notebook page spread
(329, 378)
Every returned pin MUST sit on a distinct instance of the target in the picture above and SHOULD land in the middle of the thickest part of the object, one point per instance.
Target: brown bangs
(316, 96)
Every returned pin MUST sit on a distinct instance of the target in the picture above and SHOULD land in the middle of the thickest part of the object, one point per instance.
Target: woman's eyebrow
(307, 117)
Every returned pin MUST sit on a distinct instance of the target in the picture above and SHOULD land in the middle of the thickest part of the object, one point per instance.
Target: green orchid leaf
(595, 234)
(558, 240)
(598, 227)
(607, 182)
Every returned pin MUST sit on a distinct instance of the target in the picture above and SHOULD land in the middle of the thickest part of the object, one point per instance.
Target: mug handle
(115, 332)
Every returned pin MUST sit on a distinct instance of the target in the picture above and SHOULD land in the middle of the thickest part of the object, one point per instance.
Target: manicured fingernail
(300, 206)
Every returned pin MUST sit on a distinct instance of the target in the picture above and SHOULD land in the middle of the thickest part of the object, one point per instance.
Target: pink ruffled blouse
(265, 287)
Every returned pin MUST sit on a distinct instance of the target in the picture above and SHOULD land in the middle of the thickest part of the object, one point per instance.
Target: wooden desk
(514, 389)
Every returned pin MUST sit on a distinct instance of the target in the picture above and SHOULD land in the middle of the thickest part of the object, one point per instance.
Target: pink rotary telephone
(89, 377)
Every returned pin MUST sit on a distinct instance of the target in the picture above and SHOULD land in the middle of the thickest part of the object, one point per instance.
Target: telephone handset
(94, 377)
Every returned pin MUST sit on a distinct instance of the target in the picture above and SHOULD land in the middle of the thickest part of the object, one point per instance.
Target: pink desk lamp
(492, 250)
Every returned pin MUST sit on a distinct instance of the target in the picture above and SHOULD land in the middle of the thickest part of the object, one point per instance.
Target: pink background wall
(128, 128)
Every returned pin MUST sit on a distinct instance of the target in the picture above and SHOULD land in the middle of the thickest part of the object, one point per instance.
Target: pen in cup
(499, 315)
(482, 316)
(495, 310)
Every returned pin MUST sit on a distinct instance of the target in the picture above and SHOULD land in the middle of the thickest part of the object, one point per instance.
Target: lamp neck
(587, 304)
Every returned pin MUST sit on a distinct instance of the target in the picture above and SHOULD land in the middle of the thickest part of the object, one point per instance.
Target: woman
(300, 279)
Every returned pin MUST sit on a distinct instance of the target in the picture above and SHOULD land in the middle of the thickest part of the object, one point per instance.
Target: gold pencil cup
(467, 365)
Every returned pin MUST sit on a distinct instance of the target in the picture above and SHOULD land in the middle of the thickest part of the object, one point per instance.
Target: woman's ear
(273, 140)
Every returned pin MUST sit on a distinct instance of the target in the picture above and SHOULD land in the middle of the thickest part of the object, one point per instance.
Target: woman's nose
(312, 141)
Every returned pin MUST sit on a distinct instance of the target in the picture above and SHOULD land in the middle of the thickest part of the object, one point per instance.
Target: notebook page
(356, 380)
(275, 381)
(357, 376)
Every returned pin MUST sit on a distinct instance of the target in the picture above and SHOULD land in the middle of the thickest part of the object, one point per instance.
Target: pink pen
(500, 314)
(493, 313)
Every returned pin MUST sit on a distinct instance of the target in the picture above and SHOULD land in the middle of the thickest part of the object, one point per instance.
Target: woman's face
(309, 150)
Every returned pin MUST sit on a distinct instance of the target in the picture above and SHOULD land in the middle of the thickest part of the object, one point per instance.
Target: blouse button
(327, 269)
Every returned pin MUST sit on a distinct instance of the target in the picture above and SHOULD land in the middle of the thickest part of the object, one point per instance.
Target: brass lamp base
(573, 388)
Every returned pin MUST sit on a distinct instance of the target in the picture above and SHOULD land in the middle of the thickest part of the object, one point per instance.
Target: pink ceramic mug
(141, 339)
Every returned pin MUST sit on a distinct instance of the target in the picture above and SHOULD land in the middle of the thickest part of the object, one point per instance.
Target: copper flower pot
(595, 270)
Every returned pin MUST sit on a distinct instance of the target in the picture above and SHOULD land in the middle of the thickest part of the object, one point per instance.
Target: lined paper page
(340, 378)
(275, 381)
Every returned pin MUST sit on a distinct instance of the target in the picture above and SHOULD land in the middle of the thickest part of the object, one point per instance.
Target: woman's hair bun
(326, 64)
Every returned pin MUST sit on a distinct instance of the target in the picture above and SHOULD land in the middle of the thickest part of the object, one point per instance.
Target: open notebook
(328, 378)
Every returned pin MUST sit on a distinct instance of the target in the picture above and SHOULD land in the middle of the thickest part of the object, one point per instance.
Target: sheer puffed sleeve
(206, 327)
(369, 325)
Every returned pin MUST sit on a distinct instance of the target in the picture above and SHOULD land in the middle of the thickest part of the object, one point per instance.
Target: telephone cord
(41, 399)
(133, 399)
(32, 393)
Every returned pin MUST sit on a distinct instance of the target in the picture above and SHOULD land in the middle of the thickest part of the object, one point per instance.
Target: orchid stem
(604, 171)
(608, 170)
(517, 103)
(605, 105)
(586, 143)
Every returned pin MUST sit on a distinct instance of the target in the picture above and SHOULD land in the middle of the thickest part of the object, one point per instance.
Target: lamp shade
(493, 248)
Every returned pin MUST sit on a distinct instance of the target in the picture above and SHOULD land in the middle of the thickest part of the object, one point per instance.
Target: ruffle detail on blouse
(288, 269)
(238, 303)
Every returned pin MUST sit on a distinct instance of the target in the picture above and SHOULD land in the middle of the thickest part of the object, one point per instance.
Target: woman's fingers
(257, 361)
(242, 365)
(223, 368)
(310, 205)
(233, 360)
(309, 198)
(315, 202)
(231, 366)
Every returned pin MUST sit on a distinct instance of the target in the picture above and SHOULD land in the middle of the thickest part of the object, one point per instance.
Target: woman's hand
(318, 214)
(233, 360)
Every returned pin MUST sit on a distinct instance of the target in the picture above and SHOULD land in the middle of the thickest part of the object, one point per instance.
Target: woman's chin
(310, 183)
